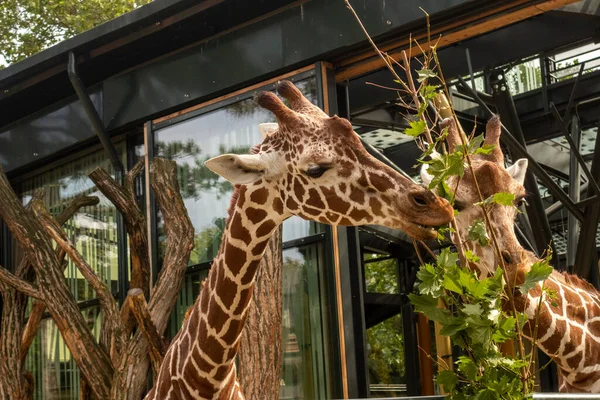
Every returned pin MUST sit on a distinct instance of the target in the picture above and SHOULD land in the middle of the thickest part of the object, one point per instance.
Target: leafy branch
(478, 313)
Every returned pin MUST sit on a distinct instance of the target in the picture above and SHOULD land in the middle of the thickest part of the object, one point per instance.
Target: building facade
(176, 79)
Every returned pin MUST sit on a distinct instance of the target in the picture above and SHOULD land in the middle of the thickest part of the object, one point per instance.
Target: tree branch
(38, 308)
(180, 242)
(107, 302)
(19, 284)
(123, 197)
(139, 307)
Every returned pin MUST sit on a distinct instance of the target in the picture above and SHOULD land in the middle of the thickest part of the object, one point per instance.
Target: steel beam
(100, 131)
(520, 151)
(573, 145)
(586, 256)
(574, 184)
(535, 209)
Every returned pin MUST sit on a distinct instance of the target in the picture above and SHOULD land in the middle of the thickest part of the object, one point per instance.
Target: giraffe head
(492, 177)
(317, 168)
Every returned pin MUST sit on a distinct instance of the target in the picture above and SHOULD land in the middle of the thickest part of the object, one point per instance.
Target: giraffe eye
(316, 171)
(522, 202)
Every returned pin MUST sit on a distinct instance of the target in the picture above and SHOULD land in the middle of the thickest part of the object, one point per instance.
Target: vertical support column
(508, 114)
(586, 258)
(150, 204)
(426, 366)
(574, 189)
(353, 312)
(409, 329)
(535, 209)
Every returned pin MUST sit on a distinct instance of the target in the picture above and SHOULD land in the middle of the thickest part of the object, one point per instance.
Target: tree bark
(260, 355)
(132, 370)
(17, 383)
(123, 197)
(157, 346)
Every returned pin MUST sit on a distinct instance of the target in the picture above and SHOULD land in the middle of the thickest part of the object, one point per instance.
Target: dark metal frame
(109, 147)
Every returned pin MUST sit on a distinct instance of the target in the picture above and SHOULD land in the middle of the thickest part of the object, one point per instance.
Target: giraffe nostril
(506, 257)
(419, 199)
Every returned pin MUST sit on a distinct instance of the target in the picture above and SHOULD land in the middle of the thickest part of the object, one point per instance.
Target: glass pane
(187, 297)
(92, 229)
(305, 358)
(381, 276)
(385, 347)
(230, 129)
(56, 376)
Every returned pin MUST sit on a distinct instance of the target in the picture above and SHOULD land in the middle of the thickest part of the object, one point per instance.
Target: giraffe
(312, 166)
(568, 323)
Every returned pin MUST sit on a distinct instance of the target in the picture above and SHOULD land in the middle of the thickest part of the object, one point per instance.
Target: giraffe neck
(200, 361)
(568, 329)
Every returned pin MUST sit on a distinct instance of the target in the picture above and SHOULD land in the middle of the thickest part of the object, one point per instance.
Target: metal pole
(574, 188)
(520, 151)
(586, 256)
(100, 131)
(535, 210)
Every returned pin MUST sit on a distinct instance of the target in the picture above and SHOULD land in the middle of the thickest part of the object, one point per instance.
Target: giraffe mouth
(421, 232)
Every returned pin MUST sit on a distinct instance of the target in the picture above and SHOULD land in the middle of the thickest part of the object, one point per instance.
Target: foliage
(29, 26)
(385, 340)
(475, 320)
(386, 351)
(475, 313)
(193, 176)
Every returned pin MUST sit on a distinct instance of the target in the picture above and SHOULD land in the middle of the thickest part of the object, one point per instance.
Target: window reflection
(92, 229)
(305, 369)
(230, 129)
(56, 376)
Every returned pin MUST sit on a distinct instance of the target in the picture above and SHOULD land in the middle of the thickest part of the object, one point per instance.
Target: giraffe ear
(267, 128)
(238, 169)
(518, 170)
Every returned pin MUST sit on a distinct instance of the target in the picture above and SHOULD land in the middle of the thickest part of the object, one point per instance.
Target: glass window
(385, 348)
(187, 297)
(305, 360)
(92, 229)
(381, 273)
(56, 376)
(230, 129)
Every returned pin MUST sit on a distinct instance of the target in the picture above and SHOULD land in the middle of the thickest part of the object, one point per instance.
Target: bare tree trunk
(132, 367)
(15, 338)
(118, 366)
(260, 355)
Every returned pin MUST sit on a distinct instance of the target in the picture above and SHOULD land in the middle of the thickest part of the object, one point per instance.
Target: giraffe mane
(581, 283)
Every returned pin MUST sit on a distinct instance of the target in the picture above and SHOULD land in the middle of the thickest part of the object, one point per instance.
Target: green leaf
(485, 149)
(447, 258)
(452, 283)
(427, 305)
(472, 309)
(429, 280)
(478, 232)
(481, 329)
(447, 379)
(416, 128)
(487, 394)
(470, 256)
(501, 198)
(454, 326)
(428, 92)
(467, 367)
(475, 143)
(539, 271)
(424, 74)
